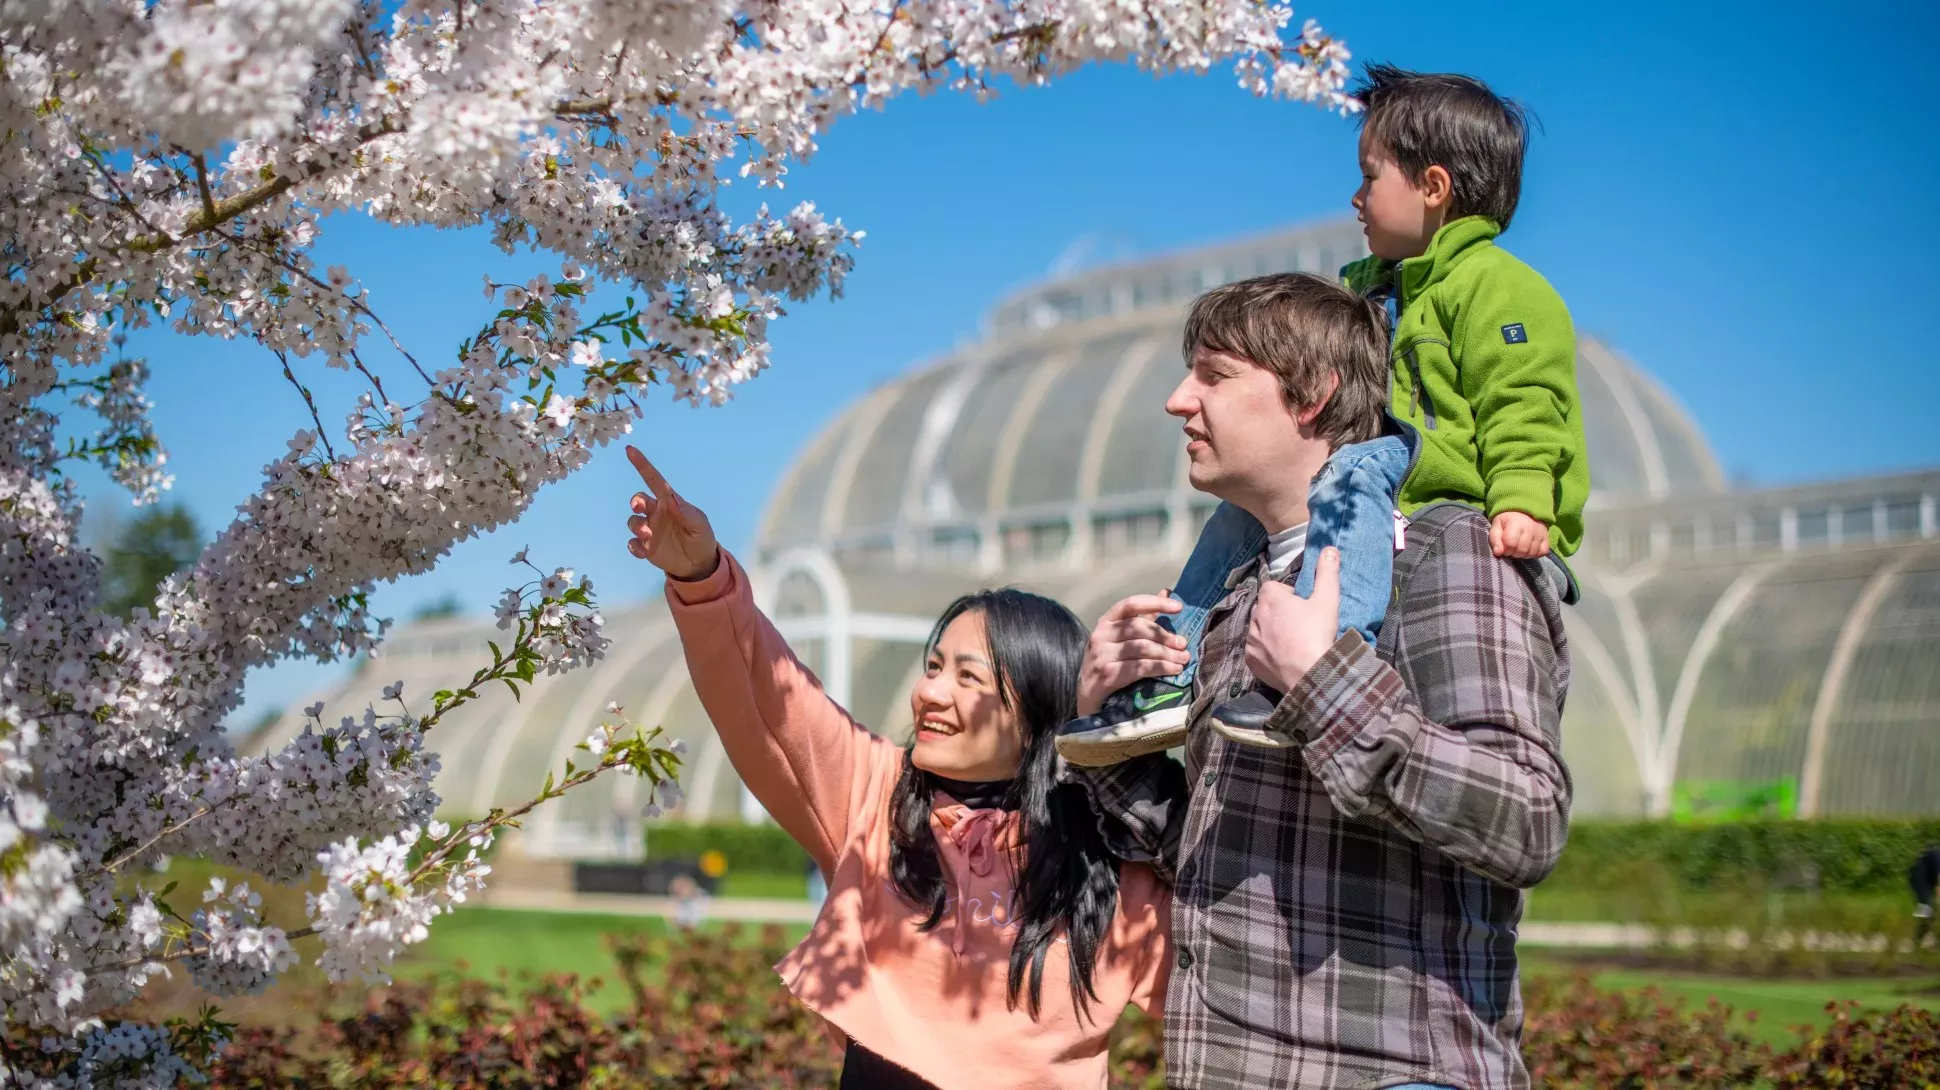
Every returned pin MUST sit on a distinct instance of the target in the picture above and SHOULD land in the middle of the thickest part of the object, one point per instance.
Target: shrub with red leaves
(1575, 1035)
(713, 1015)
(705, 1010)
(1897, 1048)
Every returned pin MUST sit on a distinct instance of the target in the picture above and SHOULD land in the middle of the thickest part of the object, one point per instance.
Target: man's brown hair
(1303, 328)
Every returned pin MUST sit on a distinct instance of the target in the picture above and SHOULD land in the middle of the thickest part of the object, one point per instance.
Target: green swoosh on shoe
(1145, 705)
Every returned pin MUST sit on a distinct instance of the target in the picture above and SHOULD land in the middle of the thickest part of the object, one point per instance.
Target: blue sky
(1738, 196)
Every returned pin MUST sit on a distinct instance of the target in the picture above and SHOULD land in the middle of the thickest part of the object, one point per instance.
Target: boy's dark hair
(1304, 328)
(1427, 119)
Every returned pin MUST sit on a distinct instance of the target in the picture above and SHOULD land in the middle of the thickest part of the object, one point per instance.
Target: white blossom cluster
(236, 953)
(174, 161)
(371, 909)
(564, 637)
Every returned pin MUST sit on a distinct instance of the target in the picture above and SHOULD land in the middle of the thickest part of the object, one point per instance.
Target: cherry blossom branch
(178, 954)
(634, 755)
(309, 401)
(166, 831)
(202, 186)
(560, 604)
(277, 257)
(217, 213)
(214, 214)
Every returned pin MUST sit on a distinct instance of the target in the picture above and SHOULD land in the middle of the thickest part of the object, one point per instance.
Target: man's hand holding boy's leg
(1127, 704)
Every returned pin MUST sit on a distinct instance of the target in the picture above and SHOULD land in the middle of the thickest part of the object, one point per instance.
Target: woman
(977, 933)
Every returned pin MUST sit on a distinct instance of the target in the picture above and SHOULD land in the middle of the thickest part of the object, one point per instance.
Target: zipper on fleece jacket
(1397, 304)
(1416, 403)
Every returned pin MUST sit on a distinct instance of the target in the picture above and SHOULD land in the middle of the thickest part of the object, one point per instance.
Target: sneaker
(1243, 720)
(1146, 716)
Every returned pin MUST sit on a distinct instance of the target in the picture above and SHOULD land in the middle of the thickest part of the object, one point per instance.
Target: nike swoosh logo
(1145, 705)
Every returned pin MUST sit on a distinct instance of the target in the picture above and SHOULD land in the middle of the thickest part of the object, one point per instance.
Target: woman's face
(963, 729)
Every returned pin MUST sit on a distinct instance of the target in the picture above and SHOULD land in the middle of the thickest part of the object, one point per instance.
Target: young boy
(1484, 360)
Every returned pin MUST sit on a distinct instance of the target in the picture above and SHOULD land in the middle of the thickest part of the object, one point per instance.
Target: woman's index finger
(655, 482)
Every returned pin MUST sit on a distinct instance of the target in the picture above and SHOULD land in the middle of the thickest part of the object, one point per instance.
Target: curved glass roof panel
(799, 596)
(1145, 448)
(969, 453)
(1754, 701)
(881, 670)
(1688, 460)
(1049, 459)
(1883, 742)
(1673, 612)
(796, 512)
(1608, 437)
(875, 495)
(1605, 777)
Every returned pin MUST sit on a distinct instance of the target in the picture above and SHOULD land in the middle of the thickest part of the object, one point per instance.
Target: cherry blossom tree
(171, 161)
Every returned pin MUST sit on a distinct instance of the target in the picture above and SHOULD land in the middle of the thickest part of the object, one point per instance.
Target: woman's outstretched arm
(804, 758)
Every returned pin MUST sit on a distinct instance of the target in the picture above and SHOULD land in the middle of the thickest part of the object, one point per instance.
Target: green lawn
(487, 940)
(490, 940)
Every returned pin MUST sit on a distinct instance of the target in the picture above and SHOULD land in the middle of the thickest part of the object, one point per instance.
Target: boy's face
(1398, 216)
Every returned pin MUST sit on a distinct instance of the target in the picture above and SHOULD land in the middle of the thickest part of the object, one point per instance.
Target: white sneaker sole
(1258, 739)
(1154, 733)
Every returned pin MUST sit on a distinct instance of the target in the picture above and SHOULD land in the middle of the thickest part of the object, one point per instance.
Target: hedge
(1835, 855)
(759, 849)
(1841, 855)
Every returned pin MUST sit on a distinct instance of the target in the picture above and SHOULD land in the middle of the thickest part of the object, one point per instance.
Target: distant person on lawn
(1924, 876)
(978, 933)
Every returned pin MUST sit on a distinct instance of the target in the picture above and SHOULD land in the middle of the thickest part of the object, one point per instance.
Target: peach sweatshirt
(934, 1003)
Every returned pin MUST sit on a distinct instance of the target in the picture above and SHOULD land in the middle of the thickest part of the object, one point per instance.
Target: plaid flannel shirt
(1345, 912)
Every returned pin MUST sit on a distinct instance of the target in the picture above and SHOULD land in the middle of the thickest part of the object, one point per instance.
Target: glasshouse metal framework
(1784, 635)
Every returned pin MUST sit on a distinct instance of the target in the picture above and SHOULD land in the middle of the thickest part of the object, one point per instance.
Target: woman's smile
(936, 727)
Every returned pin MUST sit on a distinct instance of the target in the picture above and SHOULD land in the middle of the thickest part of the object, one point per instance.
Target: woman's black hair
(1067, 880)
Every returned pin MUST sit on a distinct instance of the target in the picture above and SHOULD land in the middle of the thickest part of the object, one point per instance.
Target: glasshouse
(1776, 650)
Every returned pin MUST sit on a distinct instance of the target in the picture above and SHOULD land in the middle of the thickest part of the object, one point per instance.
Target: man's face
(1241, 435)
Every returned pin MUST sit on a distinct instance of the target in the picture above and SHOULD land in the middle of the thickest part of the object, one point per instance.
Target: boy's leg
(1354, 511)
(1231, 538)
(1351, 508)
(1149, 716)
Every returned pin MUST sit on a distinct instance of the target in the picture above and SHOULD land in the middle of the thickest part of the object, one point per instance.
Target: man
(1345, 909)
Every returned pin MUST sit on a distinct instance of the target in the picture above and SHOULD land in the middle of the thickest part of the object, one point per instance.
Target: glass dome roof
(1069, 411)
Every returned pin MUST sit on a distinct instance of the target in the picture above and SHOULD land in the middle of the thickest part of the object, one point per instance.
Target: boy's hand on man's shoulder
(1515, 534)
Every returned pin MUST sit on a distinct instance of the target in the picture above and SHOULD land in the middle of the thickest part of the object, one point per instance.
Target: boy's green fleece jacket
(1483, 337)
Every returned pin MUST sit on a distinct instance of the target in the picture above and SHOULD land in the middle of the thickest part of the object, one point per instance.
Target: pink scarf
(980, 836)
